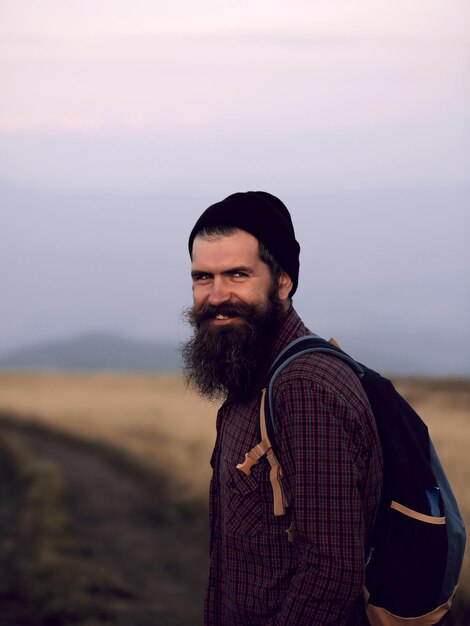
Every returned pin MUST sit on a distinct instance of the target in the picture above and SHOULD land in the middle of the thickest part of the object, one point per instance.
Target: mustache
(228, 309)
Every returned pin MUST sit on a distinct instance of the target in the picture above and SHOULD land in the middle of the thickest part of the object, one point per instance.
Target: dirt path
(13, 609)
(150, 556)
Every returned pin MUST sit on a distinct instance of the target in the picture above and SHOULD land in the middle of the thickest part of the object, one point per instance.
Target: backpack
(417, 546)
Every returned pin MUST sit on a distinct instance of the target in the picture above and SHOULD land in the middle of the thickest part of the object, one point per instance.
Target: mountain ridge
(95, 350)
(103, 350)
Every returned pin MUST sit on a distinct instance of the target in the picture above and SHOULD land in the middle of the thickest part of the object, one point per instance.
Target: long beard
(230, 360)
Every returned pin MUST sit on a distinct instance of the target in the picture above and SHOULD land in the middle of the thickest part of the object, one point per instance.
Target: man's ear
(285, 287)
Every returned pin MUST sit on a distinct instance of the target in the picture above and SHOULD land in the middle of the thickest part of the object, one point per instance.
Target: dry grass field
(167, 427)
(155, 418)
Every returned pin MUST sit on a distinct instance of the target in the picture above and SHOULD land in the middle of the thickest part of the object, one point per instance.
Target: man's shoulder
(322, 372)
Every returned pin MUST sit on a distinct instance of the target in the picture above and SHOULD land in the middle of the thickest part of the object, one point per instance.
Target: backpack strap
(255, 454)
(295, 349)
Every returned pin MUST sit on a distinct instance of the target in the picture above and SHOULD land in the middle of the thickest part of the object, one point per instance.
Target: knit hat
(262, 215)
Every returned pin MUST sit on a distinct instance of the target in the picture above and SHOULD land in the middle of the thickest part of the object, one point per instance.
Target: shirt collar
(290, 328)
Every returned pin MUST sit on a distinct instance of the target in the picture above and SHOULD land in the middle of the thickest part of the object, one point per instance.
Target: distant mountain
(95, 351)
(103, 351)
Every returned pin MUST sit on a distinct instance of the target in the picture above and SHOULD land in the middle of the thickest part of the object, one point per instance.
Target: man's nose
(219, 292)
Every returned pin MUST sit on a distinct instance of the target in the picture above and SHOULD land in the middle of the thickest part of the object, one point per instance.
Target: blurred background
(120, 123)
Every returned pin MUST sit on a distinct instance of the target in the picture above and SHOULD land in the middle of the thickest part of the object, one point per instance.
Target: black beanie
(262, 215)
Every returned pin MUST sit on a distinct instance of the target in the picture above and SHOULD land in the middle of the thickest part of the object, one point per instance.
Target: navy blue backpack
(414, 561)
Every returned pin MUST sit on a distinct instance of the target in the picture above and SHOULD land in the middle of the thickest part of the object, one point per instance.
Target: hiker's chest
(237, 430)
(245, 502)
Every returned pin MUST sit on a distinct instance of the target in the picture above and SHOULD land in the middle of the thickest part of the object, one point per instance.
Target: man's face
(228, 271)
(237, 310)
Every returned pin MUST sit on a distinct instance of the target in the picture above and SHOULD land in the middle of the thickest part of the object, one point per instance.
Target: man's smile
(221, 320)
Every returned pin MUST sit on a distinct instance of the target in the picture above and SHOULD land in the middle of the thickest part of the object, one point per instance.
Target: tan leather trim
(333, 342)
(429, 519)
(255, 454)
(275, 476)
(290, 533)
(262, 419)
(379, 616)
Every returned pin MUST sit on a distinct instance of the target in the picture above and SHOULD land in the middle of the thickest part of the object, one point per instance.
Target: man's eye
(197, 278)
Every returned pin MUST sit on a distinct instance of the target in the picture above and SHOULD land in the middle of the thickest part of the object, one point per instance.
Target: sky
(121, 122)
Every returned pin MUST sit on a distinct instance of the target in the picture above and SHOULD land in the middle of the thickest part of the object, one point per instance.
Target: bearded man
(308, 565)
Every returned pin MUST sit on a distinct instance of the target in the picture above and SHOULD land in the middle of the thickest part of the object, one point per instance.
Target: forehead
(235, 249)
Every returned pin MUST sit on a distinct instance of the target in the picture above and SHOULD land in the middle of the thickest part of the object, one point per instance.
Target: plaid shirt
(331, 457)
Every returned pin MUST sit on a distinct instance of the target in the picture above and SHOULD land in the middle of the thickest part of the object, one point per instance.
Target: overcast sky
(120, 122)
